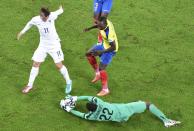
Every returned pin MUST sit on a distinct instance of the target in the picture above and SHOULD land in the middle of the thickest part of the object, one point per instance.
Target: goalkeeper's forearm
(84, 98)
(77, 113)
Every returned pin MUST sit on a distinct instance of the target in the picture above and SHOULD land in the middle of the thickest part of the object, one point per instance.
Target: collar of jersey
(105, 28)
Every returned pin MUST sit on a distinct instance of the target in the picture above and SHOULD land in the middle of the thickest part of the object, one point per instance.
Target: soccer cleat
(103, 92)
(97, 77)
(68, 87)
(170, 123)
(26, 89)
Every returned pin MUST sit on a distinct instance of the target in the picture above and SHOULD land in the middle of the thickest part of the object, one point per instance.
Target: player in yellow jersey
(106, 51)
(102, 8)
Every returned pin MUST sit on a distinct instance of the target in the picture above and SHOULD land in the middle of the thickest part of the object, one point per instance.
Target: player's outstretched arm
(77, 113)
(19, 35)
(26, 28)
(89, 98)
(59, 11)
(90, 28)
(78, 98)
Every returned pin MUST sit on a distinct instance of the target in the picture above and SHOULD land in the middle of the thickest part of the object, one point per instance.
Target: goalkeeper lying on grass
(103, 111)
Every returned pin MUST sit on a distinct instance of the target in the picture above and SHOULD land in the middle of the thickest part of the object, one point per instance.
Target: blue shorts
(105, 58)
(102, 6)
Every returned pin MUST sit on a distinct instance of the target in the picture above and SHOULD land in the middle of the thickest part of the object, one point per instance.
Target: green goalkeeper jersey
(106, 111)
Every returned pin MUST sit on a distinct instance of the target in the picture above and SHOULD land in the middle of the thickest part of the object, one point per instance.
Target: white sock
(65, 74)
(33, 75)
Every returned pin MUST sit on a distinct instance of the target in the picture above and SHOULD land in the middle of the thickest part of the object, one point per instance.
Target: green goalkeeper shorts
(137, 107)
(127, 110)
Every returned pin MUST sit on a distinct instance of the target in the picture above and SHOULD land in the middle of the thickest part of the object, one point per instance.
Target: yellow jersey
(109, 35)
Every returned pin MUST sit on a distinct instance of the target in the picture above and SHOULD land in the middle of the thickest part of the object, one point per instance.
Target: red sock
(104, 79)
(92, 60)
(100, 38)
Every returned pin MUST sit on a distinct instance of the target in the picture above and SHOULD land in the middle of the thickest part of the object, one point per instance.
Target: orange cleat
(103, 93)
(26, 89)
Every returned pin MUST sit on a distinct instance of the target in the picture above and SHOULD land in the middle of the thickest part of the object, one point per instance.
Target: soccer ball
(67, 104)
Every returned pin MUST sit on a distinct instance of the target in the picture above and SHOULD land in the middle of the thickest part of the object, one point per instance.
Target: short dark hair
(103, 20)
(91, 106)
(45, 11)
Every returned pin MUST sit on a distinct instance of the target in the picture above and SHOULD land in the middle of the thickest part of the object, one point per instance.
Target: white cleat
(26, 89)
(68, 87)
(170, 123)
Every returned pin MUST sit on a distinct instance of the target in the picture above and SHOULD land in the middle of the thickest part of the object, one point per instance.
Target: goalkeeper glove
(67, 105)
(73, 98)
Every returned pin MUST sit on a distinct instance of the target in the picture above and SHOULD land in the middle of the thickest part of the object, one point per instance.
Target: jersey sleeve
(84, 98)
(87, 116)
(28, 25)
(55, 14)
(89, 98)
(96, 100)
(77, 113)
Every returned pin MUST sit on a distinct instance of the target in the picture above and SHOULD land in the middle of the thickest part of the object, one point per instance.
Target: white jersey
(47, 30)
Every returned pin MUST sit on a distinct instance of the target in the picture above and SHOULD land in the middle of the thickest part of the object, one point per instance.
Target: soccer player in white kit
(49, 44)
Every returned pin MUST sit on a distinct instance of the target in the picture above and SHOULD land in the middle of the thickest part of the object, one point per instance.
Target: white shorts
(41, 53)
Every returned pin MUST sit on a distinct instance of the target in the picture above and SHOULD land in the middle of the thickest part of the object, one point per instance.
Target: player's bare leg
(93, 62)
(33, 75)
(65, 74)
(104, 80)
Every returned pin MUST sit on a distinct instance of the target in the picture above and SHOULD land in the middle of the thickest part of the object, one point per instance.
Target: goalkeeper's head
(91, 106)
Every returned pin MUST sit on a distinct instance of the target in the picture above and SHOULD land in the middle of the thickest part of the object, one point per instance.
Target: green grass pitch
(155, 63)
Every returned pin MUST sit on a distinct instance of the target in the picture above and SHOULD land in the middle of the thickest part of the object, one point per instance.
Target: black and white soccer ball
(67, 104)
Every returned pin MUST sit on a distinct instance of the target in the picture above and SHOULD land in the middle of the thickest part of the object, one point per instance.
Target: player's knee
(148, 105)
(36, 64)
(88, 54)
(102, 67)
(59, 65)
